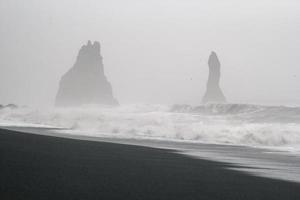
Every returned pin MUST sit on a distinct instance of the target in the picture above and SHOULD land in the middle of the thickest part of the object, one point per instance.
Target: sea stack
(85, 82)
(214, 93)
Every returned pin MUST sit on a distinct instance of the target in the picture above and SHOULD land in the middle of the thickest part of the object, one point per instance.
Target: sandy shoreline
(45, 167)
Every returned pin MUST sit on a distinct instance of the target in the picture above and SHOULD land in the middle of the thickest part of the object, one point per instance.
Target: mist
(154, 52)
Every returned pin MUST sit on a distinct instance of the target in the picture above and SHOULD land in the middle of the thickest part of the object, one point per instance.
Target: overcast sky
(155, 51)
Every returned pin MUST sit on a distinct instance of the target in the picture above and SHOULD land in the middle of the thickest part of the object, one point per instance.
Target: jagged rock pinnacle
(85, 82)
(214, 93)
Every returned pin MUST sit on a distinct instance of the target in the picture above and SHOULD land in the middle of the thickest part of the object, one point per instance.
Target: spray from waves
(236, 124)
(251, 113)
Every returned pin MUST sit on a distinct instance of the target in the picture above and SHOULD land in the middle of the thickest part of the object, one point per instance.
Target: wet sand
(45, 167)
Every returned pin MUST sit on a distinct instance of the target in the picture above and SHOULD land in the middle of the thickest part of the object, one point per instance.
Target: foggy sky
(154, 51)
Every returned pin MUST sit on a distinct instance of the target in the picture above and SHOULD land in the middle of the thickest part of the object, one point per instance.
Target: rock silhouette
(85, 82)
(11, 106)
(214, 93)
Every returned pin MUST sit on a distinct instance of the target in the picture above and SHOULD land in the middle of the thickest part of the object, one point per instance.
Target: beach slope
(44, 167)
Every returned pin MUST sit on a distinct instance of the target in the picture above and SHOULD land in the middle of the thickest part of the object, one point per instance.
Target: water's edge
(256, 161)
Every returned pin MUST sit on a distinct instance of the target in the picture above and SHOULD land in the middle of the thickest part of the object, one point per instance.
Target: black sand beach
(45, 167)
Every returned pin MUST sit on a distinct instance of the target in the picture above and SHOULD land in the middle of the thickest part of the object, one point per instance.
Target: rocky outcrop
(85, 82)
(10, 106)
(214, 93)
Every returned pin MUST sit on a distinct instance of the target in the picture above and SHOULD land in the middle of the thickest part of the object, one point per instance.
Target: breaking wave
(251, 113)
(237, 124)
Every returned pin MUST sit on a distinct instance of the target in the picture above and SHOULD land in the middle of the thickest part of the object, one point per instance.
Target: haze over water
(154, 51)
(155, 55)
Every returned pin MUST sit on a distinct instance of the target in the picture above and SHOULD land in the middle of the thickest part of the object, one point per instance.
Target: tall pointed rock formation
(214, 93)
(85, 82)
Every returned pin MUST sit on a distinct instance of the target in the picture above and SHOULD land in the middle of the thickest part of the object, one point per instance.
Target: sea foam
(236, 124)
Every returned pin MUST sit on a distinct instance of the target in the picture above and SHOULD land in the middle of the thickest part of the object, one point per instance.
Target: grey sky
(154, 51)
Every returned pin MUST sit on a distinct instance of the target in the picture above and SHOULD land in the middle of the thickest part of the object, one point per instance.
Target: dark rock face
(10, 106)
(85, 82)
(214, 93)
